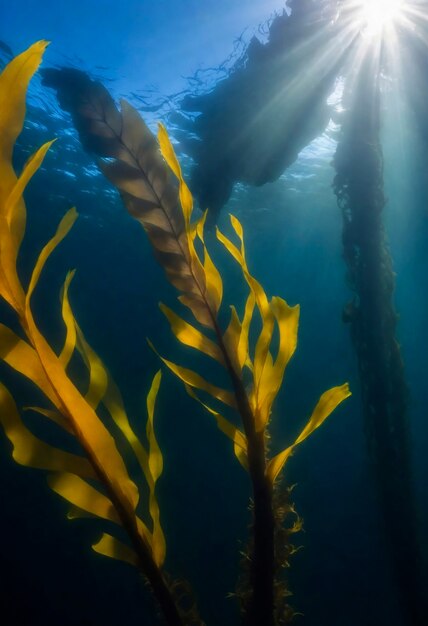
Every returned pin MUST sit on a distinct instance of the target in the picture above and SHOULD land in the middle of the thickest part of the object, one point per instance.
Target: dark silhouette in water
(373, 319)
(251, 127)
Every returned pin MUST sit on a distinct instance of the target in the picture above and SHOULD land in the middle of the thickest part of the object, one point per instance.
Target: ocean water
(159, 56)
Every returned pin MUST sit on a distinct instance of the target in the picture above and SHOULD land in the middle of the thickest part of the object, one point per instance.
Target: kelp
(163, 204)
(372, 319)
(96, 482)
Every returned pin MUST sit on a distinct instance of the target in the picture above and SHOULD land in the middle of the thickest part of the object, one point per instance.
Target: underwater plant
(98, 483)
(372, 318)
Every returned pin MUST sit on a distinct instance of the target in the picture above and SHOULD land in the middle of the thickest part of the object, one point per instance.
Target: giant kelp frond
(266, 362)
(232, 347)
(143, 179)
(111, 493)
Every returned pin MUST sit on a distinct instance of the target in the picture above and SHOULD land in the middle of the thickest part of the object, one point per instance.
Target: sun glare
(378, 15)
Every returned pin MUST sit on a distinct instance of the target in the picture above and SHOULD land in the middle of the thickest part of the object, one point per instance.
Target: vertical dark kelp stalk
(359, 186)
(98, 483)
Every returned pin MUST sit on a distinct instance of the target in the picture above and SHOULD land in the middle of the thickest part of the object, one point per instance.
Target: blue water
(343, 576)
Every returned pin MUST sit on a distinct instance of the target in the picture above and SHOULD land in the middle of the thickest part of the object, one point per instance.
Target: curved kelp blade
(232, 432)
(155, 468)
(115, 549)
(29, 450)
(329, 401)
(191, 336)
(14, 81)
(193, 379)
(287, 319)
(102, 389)
(69, 321)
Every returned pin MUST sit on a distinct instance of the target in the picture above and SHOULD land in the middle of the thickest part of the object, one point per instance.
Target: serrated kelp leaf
(193, 379)
(191, 336)
(156, 467)
(30, 451)
(83, 495)
(329, 401)
(115, 549)
(232, 432)
(70, 327)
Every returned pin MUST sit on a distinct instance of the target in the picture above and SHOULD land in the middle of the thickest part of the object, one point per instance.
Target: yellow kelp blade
(327, 403)
(213, 280)
(70, 327)
(168, 154)
(63, 229)
(14, 82)
(98, 377)
(197, 298)
(12, 227)
(103, 389)
(93, 435)
(115, 549)
(14, 209)
(262, 358)
(231, 338)
(193, 379)
(24, 359)
(287, 319)
(191, 336)
(155, 467)
(235, 435)
(13, 87)
(236, 335)
(81, 494)
(30, 451)
(262, 364)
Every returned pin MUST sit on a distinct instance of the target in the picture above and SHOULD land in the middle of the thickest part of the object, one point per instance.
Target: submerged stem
(260, 608)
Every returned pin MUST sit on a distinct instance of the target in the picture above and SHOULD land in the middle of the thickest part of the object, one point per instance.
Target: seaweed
(372, 317)
(98, 483)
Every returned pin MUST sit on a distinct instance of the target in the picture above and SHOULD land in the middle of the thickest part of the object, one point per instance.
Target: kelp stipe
(136, 168)
(265, 600)
(98, 483)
